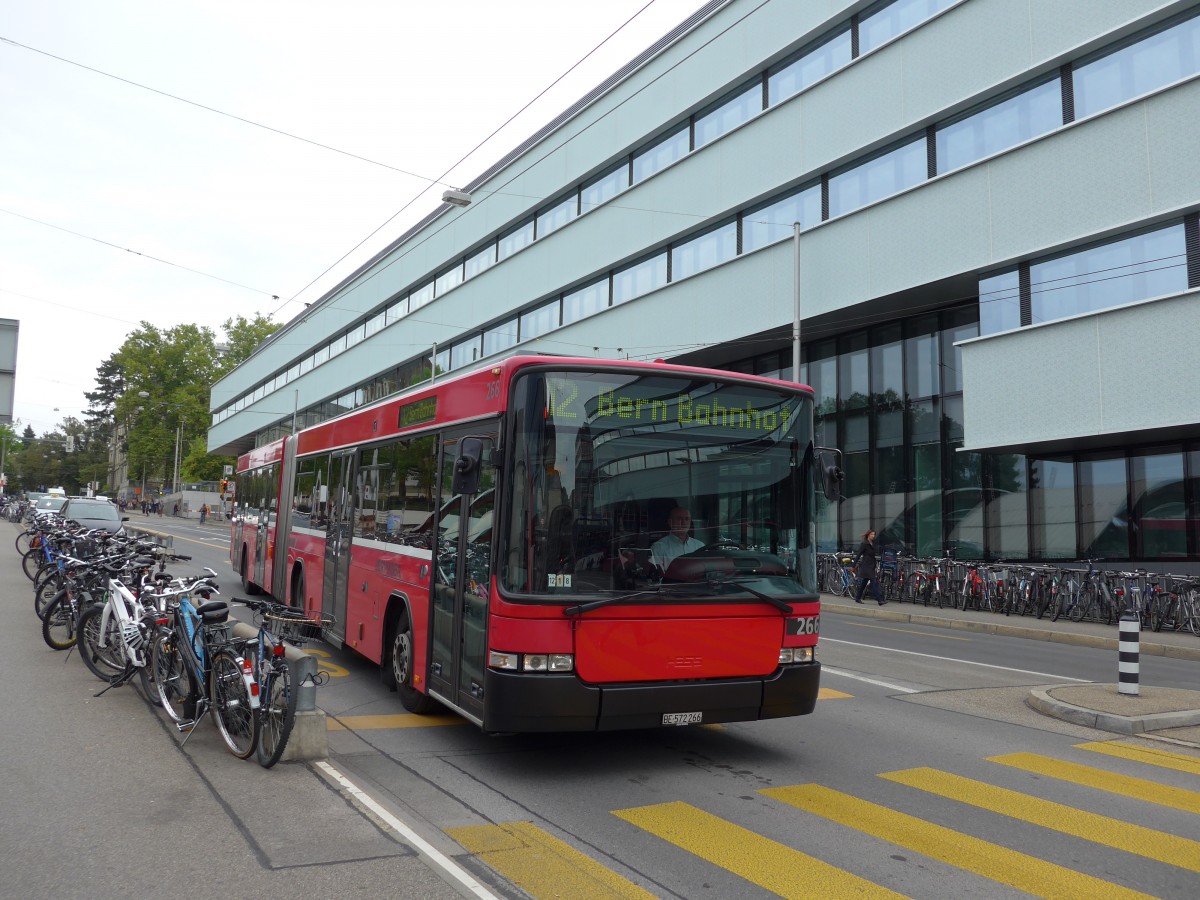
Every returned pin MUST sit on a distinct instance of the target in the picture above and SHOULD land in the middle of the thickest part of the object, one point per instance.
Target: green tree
(242, 337)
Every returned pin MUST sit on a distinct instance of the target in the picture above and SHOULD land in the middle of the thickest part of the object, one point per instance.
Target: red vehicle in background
(485, 538)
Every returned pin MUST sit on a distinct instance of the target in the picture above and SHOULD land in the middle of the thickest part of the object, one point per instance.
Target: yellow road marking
(1151, 756)
(1027, 873)
(380, 722)
(375, 723)
(541, 864)
(770, 865)
(1167, 848)
(1137, 788)
(945, 637)
(831, 694)
(323, 663)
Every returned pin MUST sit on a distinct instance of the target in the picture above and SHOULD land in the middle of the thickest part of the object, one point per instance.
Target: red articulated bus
(500, 542)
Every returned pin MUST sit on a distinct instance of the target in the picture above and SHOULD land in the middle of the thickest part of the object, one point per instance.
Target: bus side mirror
(466, 467)
(831, 474)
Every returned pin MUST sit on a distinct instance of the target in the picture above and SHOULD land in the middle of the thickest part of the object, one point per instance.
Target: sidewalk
(1168, 713)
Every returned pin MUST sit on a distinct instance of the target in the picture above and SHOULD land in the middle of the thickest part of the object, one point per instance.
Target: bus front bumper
(531, 703)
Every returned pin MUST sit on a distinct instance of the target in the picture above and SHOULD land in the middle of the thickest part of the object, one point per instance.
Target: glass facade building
(1052, 191)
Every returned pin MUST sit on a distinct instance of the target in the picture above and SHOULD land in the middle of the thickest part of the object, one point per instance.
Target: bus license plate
(689, 718)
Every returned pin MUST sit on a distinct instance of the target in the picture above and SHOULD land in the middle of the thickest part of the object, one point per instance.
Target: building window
(500, 338)
(895, 18)
(375, 323)
(959, 325)
(448, 280)
(639, 279)
(704, 252)
(1146, 265)
(878, 178)
(420, 297)
(1103, 508)
(480, 261)
(728, 115)
(658, 157)
(556, 216)
(464, 353)
(1158, 510)
(811, 66)
(587, 301)
(774, 223)
(1000, 126)
(397, 310)
(539, 321)
(999, 303)
(1138, 68)
(515, 240)
(1052, 509)
(604, 188)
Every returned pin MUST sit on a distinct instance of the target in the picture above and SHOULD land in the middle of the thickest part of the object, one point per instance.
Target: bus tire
(247, 585)
(400, 668)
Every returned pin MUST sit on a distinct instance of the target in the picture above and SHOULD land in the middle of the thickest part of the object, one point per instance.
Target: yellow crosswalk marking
(1027, 873)
(541, 864)
(1150, 755)
(1109, 832)
(374, 723)
(1137, 788)
(761, 861)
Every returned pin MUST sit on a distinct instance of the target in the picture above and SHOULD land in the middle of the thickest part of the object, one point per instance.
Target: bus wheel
(247, 585)
(402, 669)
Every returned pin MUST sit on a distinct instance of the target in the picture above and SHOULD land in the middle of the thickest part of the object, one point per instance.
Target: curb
(1040, 700)
(1148, 648)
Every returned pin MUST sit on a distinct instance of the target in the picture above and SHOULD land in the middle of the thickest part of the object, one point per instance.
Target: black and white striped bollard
(1128, 649)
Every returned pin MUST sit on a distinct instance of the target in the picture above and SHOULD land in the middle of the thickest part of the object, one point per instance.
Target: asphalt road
(922, 773)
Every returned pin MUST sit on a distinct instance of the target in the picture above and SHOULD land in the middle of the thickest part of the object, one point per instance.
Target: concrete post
(1128, 649)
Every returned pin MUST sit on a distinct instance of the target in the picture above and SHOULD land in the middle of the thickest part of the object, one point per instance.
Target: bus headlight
(498, 660)
(531, 662)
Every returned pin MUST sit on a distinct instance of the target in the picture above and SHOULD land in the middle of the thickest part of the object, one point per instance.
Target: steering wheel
(721, 544)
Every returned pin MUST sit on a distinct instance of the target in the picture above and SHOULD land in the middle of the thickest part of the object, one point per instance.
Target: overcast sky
(119, 204)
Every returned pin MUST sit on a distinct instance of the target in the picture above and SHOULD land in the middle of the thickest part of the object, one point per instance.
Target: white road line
(967, 662)
(875, 681)
(424, 847)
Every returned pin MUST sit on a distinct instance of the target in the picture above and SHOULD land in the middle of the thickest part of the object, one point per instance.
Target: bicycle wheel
(1189, 608)
(108, 662)
(146, 672)
(58, 622)
(22, 540)
(236, 720)
(32, 561)
(276, 715)
(44, 593)
(173, 682)
(1083, 603)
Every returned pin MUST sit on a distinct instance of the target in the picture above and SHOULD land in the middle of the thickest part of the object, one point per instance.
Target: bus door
(265, 481)
(338, 534)
(462, 571)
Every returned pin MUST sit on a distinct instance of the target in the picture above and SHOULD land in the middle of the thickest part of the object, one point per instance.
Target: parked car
(48, 505)
(94, 513)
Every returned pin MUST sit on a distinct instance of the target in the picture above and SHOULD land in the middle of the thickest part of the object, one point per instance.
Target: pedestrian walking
(865, 562)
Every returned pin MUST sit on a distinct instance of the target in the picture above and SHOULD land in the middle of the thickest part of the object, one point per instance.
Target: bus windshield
(657, 485)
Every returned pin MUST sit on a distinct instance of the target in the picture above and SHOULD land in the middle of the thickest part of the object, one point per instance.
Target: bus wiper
(581, 608)
(781, 605)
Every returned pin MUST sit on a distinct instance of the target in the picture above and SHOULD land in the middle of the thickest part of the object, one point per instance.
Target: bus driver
(677, 542)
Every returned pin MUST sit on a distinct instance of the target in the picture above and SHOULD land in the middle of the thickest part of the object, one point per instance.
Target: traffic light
(224, 487)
